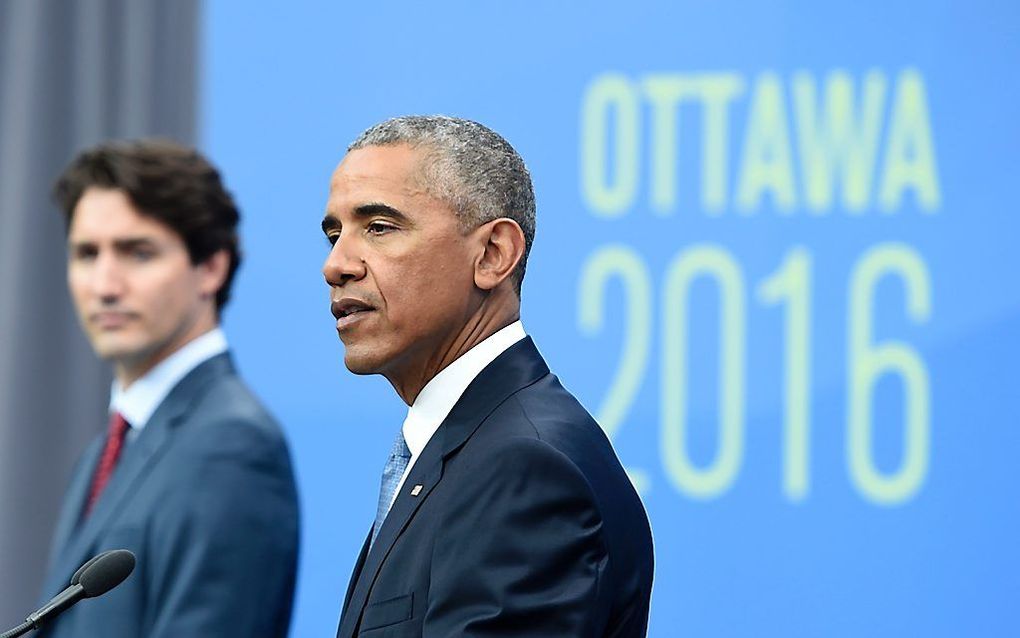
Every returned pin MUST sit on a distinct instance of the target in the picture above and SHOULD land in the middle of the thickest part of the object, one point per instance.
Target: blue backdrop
(775, 257)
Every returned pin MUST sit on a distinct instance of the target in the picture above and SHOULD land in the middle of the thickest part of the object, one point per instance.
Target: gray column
(71, 74)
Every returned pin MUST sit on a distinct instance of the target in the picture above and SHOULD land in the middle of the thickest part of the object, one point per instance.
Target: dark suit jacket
(516, 520)
(205, 498)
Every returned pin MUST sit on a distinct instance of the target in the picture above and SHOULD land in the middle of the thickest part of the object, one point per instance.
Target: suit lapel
(137, 460)
(70, 513)
(517, 367)
(358, 566)
(426, 472)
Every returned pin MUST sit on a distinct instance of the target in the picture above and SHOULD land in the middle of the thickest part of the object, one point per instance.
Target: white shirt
(139, 401)
(437, 398)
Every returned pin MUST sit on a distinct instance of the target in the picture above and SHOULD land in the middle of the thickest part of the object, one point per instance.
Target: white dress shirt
(437, 398)
(139, 401)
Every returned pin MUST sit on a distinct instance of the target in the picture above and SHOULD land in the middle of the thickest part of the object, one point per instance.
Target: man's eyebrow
(372, 209)
(126, 243)
(378, 209)
(129, 243)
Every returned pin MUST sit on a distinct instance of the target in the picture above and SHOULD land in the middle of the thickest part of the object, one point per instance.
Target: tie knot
(118, 426)
(400, 449)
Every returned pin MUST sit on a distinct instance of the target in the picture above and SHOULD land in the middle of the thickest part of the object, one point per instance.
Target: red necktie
(108, 461)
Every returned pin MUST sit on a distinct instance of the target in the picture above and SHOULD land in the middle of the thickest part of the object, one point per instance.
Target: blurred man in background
(503, 509)
(193, 475)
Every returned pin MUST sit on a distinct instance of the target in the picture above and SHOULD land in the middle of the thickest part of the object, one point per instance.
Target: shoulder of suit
(520, 473)
(516, 454)
(546, 410)
(226, 411)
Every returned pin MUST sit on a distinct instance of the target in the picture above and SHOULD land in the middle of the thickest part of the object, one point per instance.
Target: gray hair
(468, 166)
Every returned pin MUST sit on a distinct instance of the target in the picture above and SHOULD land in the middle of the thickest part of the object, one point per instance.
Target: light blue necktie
(400, 456)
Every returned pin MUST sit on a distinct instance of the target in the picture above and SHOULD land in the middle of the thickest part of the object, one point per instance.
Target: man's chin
(359, 361)
(358, 366)
(117, 348)
(112, 350)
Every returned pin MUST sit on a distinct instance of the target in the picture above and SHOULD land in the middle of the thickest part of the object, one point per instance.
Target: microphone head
(91, 561)
(104, 572)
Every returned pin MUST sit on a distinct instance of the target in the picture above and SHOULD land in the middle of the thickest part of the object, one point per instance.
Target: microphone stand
(21, 629)
(96, 577)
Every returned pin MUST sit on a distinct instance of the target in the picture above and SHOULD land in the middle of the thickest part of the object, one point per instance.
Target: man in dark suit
(193, 475)
(503, 509)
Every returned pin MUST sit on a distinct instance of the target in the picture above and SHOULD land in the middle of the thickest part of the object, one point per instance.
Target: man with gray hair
(503, 509)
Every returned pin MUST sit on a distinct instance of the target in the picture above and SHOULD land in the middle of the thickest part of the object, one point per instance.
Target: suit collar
(137, 459)
(141, 399)
(437, 398)
(519, 366)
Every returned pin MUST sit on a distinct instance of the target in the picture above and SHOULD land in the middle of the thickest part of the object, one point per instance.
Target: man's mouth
(111, 320)
(347, 311)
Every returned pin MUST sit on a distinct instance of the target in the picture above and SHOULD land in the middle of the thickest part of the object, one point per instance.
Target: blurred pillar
(71, 74)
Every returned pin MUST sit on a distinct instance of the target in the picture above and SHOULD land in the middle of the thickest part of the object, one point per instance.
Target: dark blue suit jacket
(516, 520)
(205, 498)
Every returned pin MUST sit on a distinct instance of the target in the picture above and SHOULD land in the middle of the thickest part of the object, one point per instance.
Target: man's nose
(344, 263)
(108, 277)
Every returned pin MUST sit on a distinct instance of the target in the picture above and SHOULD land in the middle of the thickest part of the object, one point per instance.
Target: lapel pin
(416, 490)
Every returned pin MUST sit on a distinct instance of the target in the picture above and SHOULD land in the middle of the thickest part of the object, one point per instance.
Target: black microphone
(96, 577)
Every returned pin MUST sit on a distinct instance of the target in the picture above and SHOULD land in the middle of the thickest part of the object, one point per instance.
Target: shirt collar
(139, 401)
(441, 393)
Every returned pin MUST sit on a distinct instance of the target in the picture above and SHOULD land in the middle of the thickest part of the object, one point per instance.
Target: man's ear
(502, 249)
(213, 273)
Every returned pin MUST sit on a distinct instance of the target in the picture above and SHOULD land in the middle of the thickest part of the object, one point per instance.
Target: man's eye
(142, 254)
(332, 238)
(378, 228)
(84, 254)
